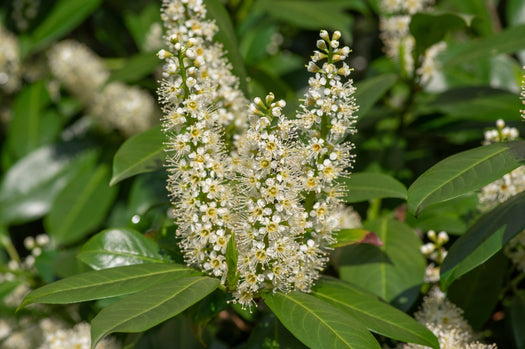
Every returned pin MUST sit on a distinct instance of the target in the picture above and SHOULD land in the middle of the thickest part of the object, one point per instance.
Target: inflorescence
(245, 175)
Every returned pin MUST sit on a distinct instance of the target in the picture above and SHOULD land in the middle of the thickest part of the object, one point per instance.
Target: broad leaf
(464, 172)
(465, 292)
(516, 313)
(394, 271)
(376, 315)
(63, 18)
(362, 186)
(135, 68)
(484, 238)
(319, 324)
(429, 28)
(311, 15)
(477, 103)
(226, 35)
(507, 41)
(81, 206)
(106, 283)
(148, 308)
(141, 153)
(369, 91)
(118, 247)
(30, 186)
(26, 127)
(347, 237)
(232, 256)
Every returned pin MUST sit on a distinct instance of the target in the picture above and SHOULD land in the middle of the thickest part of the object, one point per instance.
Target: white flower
(10, 67)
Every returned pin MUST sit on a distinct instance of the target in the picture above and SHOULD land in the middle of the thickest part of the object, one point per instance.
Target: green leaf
(141, 153)
(376, 315)
(65, 16)
(143, 310)
(81, 206)
(138, 24)
(347, 237)
(394, 271)
(516, 313)
(319, 324)
(369, 91)
(311, 15)
(25, 129)
(232, 256)
(477, 103)
(106, 283)
(135, 68)
(25, 196)
(226, 36)
(362, 186)
(484, 238)
(270, 333)
(464, 172)
(430, 28)
(465, 292)
(118, 247)
(507, 41)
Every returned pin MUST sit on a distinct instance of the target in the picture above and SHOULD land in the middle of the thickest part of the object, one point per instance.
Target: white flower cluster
(510, 184)
(399, 43)
(78, 337)
(114, 105)
(10, 67)
(445, 320)
(503, 189)
(436, 253)
(49, 333)
(522, 96)
(269, 191)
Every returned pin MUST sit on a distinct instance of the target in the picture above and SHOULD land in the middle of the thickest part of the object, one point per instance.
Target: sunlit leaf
(464, 172)
(143, 310)
(484, 238)
(118, 247)
(106, 283)
(141, 153)
(319, 324)
(375, 314)
(363, 186)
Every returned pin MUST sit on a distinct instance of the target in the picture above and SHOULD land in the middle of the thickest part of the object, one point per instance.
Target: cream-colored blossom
(78, 69)
(78, 337)
(10, 66)
(445, 320)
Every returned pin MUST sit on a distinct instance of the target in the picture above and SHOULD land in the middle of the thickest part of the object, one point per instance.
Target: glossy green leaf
(477, 103)
(269, 331)
(393, 271)
(226, 36)
(515, 14)
(516, 313)
(363, 186)
(347, 237)
(464, 172)
(136, 67)
(465, 292)
(118, 247)
(430, 28)
(25, 129)
(143, 310)
(319, 324)
(484, 238)
(507, 41)
(30, 186)
(311, 15)
(106, 283)
(141, 153)
(375, 314)
(63, 18)
(232, 256)
(369, 91)
(81, 206)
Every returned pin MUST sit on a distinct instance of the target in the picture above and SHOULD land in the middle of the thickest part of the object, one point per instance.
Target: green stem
(10, 248)
(373, 209)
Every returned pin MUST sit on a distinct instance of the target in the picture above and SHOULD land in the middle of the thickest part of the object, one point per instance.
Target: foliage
(88, 232)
